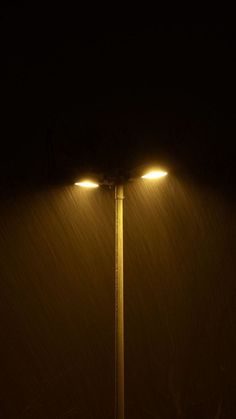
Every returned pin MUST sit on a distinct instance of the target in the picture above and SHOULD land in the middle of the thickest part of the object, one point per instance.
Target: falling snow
(57, 303)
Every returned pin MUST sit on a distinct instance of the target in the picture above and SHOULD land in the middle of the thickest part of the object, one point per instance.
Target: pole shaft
(119, 304)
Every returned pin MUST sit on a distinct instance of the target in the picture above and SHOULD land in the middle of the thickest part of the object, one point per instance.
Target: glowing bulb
(87, 184)
(154, 174)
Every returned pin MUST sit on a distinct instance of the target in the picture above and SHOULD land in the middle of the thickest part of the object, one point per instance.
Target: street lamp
(118, 185)
(87, 184)
(154, 174)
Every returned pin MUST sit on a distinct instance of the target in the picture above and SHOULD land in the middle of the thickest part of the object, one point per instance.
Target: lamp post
(119, 303)
(119, 284)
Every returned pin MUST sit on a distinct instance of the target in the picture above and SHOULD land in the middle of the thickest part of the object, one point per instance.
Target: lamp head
(87, 183)
(154, 174)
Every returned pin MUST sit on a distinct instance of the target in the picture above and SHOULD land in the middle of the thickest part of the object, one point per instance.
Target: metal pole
(119, 305)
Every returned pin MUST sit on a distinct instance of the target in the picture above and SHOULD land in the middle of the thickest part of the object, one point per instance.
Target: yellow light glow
(87, 184)
(154, 174)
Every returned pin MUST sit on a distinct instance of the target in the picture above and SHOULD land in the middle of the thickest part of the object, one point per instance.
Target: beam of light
(87, 184)
(154, 174)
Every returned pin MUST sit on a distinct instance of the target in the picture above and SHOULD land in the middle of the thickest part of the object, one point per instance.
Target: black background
(87, 90)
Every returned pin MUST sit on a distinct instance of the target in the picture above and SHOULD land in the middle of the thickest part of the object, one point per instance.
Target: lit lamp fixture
(87, 184)
(118, 184)
(154, 174)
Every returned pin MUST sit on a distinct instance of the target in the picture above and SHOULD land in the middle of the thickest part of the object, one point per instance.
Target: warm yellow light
(154, 174)
(87, 184)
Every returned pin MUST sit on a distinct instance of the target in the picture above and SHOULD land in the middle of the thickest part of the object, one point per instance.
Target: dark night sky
(106, 93)
(86, 92)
